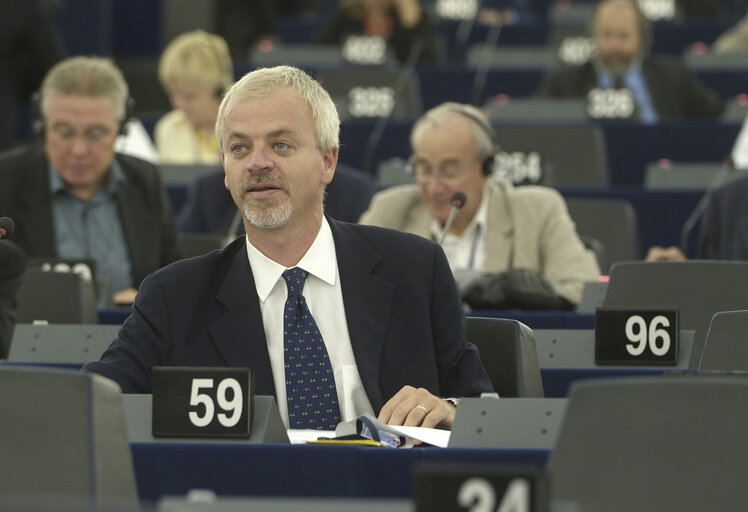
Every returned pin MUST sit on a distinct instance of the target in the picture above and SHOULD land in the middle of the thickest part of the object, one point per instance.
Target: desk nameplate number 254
(202, 402)
(642, 337)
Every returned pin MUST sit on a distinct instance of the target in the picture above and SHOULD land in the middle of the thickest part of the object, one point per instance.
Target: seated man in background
(500, 227)
(660, 88)
(196, 70)
(73, 197)
(379, 308)
(210, 209)
(724, 227)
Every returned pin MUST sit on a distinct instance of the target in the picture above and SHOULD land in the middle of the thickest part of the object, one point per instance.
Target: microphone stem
(448, 224)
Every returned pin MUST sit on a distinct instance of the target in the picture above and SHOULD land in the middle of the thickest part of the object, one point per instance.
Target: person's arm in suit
(192, 218)
(12, 266)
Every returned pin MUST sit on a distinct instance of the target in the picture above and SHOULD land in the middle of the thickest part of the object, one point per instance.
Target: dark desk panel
(543, 319)
(630, 146)
(660, 213)
(298, 470)
(557, 382)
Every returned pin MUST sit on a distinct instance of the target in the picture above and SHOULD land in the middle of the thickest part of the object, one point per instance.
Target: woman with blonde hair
(195, 69)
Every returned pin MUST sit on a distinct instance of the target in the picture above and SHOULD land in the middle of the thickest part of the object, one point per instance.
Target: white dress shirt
(324, 297)
(466, 251)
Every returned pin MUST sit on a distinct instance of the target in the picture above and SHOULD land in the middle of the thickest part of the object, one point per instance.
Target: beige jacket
(528, 227)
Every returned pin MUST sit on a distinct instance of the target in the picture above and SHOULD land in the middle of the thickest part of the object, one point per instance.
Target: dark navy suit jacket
(403, 310)
(144, 209)
(724, 228)
(210, 209)
(676, 92)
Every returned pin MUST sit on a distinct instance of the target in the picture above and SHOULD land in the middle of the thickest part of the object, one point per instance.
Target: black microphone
(484, 66)
(7, 226)
(398, 88)
(458, 201)
(12, 261)
(685, 233)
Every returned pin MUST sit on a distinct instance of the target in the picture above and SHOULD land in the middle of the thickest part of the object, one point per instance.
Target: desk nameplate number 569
(202, 402)
(642, 337)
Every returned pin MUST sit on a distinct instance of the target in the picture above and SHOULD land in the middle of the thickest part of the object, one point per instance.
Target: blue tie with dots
(310, 384)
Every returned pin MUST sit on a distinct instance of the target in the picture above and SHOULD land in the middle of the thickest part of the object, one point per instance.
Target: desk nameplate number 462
(641, 337)
(202, 402)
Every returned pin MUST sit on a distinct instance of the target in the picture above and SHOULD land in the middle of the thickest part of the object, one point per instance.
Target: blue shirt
(634, 80)
(93, 230)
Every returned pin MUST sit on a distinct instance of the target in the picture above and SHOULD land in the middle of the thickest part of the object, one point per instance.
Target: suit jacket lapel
(239, 333)
(367, 300)
(35, 205)
(500, 233)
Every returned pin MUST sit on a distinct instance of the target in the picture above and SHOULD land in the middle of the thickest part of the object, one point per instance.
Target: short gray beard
(267, 213)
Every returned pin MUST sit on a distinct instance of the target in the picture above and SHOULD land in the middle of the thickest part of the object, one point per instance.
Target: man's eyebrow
(289, 132)
(237, 135)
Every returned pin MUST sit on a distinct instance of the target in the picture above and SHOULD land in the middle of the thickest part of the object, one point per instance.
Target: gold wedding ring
(422, 407)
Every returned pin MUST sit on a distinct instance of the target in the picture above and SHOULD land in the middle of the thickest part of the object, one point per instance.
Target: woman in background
(403, 24)
(195, 70)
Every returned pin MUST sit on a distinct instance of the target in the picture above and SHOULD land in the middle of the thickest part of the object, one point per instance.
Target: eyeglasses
(93, 135)
(423, 172)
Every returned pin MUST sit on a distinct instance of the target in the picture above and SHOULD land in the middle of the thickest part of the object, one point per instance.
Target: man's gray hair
(86, 76)
(263, 82)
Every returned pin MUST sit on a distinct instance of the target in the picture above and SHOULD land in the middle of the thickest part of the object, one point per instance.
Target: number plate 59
(201, 402)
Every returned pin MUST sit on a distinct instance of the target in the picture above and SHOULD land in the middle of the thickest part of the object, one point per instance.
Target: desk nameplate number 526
(202, 402)
(642, 337)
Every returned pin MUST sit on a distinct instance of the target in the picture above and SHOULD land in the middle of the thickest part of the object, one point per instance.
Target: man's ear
(225, 176)
(330, 159)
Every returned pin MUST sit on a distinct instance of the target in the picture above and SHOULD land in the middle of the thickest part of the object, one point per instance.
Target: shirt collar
(114, 178)
(317, 261)
(606, 79)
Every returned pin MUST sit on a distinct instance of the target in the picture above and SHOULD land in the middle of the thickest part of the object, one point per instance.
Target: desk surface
(163, 469)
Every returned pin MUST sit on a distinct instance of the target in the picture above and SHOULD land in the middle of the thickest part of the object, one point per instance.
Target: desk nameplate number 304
(202, 402)
(641, 337)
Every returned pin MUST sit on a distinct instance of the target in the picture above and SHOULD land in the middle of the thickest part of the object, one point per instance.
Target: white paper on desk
(301, 436)
(432, 436)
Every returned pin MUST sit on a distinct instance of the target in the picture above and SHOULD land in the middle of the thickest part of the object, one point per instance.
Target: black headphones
(37, 117)
(487, 166)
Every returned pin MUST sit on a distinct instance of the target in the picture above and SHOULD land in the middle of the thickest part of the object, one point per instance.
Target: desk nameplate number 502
(642, 337)
(202, 402)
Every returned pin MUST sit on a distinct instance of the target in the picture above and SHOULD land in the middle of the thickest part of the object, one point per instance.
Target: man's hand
(418, 408)
(672, 253)
(125, 297)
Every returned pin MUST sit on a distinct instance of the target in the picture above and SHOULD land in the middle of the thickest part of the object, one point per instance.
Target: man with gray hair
(378, 309)
(497, 227)
(73, 197)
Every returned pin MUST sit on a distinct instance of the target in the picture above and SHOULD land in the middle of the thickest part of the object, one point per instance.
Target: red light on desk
(699, 48)
(664, 163)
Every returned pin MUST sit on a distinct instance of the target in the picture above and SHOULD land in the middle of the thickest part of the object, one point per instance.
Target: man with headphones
(660, 88)
(73, 197)
(499, 227)
(195, 70)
